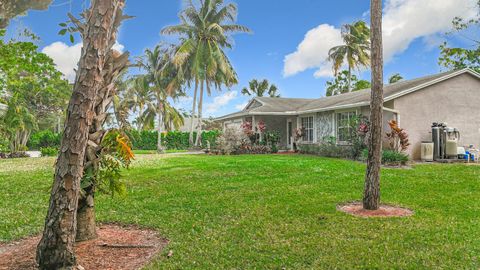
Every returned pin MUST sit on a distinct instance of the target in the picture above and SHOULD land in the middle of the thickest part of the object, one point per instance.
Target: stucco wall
(454, 101)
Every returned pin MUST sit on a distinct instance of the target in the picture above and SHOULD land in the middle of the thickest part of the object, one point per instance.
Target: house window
(307, 125)
(344, 127)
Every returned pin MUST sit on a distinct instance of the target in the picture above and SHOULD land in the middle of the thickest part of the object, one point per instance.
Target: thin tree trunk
(349, 78)
(86, 225)
(371, 199)
(56, 248)
(160, 149)
(192, 118)
(198, 140)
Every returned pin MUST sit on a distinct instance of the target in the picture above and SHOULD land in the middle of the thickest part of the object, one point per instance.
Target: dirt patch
(356, 209)
(117, 247)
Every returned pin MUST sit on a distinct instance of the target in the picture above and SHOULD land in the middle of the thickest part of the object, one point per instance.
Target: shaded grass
(273, 211)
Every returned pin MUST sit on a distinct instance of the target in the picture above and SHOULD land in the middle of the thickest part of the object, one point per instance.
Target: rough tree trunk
(349, 78)
(192, 118)
(371, 198)
(56, 248)
(198, 140)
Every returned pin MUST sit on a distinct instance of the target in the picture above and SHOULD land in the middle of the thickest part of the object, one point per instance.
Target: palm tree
(355, 51)
(161, 81)
(395, 78)
(205, 33)
(371, 197)
(259, 89)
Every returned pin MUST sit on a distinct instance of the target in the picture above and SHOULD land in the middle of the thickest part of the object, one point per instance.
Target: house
(450, 97)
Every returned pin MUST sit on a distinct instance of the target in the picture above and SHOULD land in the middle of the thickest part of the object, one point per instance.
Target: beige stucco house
(450, 97)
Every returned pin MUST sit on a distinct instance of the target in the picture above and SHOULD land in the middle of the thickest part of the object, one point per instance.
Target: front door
(290, 134)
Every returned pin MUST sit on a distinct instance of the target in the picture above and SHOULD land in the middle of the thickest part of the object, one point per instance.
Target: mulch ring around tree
(356, 209)
(117, 247)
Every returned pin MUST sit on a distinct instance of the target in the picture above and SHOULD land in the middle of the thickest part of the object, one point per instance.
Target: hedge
(147, 140)
(141, 140)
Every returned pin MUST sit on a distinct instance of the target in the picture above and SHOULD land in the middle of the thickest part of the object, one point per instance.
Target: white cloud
(403, 22)
(313, 51)
(241, 106)
(220, 101)
(66, 57)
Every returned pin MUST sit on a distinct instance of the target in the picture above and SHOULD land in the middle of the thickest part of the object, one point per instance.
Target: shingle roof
(357, 98)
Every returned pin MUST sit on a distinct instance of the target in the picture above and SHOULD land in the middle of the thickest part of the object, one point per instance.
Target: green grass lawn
(273, 212)
(150, 152)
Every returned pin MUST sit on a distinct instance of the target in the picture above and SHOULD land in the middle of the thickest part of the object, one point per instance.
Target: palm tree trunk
(371, 198)
(160, 149)
(198, 141)
(349, 78)
(192, 118)
(56, 248)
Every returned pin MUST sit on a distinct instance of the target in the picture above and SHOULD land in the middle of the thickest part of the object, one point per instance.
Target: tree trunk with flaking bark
(116, 63)
(192, 118)
(371, 198)
(198, 140)
(56, 248)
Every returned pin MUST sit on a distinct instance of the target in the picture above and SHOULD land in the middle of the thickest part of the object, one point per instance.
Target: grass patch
(151, 152)
(273, 211)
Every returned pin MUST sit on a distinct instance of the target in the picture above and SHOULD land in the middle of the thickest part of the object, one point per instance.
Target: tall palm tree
(371, 197)
(259, 89)
(161, 81)
(205, 33)
(355, 51)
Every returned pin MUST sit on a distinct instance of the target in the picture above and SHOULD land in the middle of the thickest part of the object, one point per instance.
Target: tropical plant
(395, 78)
(344, 83)
(205, 32)
(355, 50)
(371, 195)
(260, 88)
(397, 137)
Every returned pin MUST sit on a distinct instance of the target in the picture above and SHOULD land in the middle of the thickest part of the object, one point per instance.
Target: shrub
(272, 138)
(254, 149)
(390, 157)
(44, 138)
(231, 141)
(49, 151)
(327, 150)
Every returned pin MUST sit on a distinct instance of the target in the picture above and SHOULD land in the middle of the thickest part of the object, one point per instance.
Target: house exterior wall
(454, 101)
(275, 123)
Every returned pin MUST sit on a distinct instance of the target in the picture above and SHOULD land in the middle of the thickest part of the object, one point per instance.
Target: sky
(288, 46)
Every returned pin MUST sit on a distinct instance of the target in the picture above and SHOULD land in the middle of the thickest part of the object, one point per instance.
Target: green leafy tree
(455, 58)
(355, 51)
(395, 78)
(344, 83)
(205, 31)
(30, 79)
(260, 89)
(11, 8)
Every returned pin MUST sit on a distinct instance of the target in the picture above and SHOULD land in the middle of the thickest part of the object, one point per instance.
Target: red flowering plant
(261, 126)
(248, 130)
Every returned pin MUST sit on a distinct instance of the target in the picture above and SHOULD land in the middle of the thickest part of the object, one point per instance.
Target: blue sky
(289, 43)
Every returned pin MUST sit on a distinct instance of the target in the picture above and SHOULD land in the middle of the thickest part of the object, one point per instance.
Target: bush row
(147, 140)
(142, 140)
